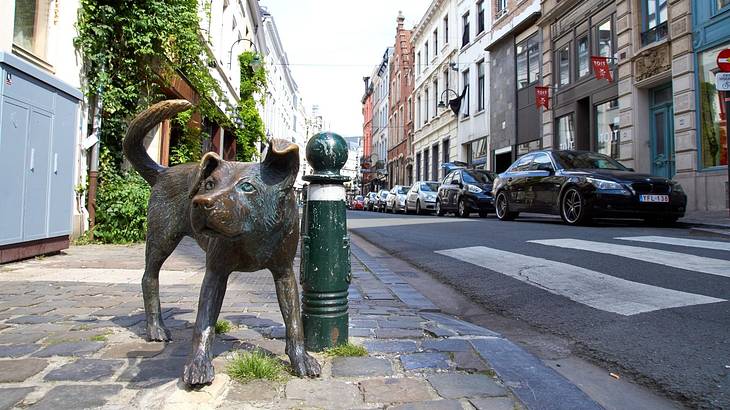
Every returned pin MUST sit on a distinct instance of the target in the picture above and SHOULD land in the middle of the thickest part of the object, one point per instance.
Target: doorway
(661, 119)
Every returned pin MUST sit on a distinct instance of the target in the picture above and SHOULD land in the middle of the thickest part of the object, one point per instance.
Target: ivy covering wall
(131, 50)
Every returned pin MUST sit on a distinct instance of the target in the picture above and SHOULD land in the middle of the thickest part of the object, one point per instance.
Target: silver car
(396, 201)
(379, 205)
(422, 197)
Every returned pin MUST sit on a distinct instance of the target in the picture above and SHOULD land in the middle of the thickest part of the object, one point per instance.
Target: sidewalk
(72, 336)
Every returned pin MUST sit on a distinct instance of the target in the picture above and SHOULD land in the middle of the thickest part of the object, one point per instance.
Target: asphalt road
(652, 305)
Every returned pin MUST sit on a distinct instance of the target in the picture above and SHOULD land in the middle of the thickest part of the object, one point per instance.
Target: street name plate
(722, 81)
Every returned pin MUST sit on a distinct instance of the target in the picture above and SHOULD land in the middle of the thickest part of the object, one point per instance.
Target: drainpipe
(94, 165)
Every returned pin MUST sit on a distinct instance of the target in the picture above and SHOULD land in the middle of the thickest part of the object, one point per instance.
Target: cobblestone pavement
(72, 336)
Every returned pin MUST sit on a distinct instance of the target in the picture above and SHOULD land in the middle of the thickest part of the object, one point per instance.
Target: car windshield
(358, 198)
(587, 160)
(402, 190)
(477, 177)
(429, 187)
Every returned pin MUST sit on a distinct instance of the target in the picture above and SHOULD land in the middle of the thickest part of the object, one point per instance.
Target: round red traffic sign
(723, 60)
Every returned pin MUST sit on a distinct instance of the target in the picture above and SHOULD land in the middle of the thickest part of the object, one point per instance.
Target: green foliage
(121, 204)
(347, 349)
(247, 366)
(222, 326)
(253, 85)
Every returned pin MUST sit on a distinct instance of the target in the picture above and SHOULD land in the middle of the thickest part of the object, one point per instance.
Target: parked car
(422, 197)
(464, 191)
(580, 185)
(358, 203)
(380, 201)
(396, 200)
(370, 199)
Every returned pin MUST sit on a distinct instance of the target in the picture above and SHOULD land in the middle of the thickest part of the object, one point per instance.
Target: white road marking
(692, 243)
(695, 263)
(582, 285)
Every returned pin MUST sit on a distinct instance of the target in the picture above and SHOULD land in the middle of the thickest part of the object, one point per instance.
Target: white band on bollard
(330, 192)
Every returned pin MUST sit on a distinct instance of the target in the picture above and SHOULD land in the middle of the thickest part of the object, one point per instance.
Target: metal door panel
(13, 140)
(62, 166)
(35, 209)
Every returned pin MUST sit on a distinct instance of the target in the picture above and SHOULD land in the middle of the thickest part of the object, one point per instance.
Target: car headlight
(474, 189)
(605, 185)
(430, 197)
(677, 187)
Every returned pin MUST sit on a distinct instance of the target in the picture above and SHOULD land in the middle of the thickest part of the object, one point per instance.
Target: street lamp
(256, 60)
(454, 104)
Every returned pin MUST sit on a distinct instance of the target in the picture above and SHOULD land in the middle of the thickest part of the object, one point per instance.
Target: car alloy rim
(501, 205)
(438, 207)
(572, 206)
(461, 208)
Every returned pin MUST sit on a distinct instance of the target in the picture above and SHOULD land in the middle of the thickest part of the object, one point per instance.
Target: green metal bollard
(325, 266)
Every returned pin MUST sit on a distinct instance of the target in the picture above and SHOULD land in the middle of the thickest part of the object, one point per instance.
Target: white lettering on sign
(722, 81)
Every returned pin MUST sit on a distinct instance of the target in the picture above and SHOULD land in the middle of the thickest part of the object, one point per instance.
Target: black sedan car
(580, 185)
(464, 191)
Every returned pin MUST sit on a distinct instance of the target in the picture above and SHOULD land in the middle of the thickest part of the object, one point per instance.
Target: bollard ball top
(327, 154)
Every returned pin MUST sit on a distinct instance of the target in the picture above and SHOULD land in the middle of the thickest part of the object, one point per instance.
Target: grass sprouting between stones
(346, 350)
(222, 326)
(247, 366)
(98, 338)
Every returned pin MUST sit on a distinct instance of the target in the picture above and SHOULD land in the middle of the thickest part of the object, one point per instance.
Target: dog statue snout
(205, 202)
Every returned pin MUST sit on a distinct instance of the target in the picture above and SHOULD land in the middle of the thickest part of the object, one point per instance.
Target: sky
(332, 44)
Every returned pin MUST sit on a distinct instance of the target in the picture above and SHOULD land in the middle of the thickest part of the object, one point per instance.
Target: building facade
(381, 89)
(400, 116)
(515, 59)
(473, 64)
(366, 164)
(435, 42)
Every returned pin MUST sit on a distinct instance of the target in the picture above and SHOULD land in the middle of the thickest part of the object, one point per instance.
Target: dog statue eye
(246, 187)
(209, 185)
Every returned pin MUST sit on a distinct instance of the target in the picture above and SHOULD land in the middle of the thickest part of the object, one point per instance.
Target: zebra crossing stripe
(691, 243)
(694, 263)
(595, 289)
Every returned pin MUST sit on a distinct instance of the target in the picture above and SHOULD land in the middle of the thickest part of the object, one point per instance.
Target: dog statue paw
(198, 371)
(156, 332)
(303, 364)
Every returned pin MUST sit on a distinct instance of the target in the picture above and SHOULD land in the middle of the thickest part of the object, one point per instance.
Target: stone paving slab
(458, 385)
(328, 394)
(17, 370)
(77, 397)
(70, 349)
(11, 396)
(85, 370)
(422, 361)
(361, 366)
(402, 390)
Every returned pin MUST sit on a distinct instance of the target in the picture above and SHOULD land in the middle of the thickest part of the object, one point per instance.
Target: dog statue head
(233, 199)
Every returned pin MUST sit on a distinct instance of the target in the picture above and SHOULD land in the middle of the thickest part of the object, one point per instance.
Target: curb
(712, 232)
(535, 384)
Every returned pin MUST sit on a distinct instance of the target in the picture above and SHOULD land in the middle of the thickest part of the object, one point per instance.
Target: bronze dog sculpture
(243, 215)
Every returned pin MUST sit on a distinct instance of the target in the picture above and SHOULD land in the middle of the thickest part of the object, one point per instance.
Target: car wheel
(483, 214)
(573, 208)
(461, 210)
(439, 211)
(502, 208)
(418, 208)
(393, 210)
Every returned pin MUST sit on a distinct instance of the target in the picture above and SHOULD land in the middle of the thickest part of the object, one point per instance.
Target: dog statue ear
(208, 164)
(281, 163)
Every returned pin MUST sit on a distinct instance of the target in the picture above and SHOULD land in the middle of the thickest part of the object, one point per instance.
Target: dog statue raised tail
(243, 215)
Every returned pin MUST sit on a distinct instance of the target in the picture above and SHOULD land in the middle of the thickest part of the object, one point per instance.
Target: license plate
(654, 198)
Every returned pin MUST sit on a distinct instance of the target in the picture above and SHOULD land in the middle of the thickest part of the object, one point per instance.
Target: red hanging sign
(601, 68)
(542, 97)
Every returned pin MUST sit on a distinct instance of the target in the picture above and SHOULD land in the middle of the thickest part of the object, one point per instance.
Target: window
(722, 3)
(500, 8)
(29, 29)
(654, 21)
(480, 86)
(446, 29)
(528, 62)
(522, 164)
(446, 154)
(465, 103)
(418, 167)
(435, 97)
(605, 39)
(565, 132)
(480, 16)
(526, 147)
(418, 110)
(713, 131)
(436, 42)
(541, 162)
(418, 62)
(435, 161)
(409, 110)
(607, 128)
(425, 52)
(465, 33)
(446, 82)
(563, 60)
(582, 56)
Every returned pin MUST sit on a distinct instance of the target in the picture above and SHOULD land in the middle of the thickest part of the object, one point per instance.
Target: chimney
(401, 19)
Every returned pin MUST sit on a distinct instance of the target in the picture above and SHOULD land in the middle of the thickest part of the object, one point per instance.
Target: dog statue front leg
(199, 368)
(288, 294)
